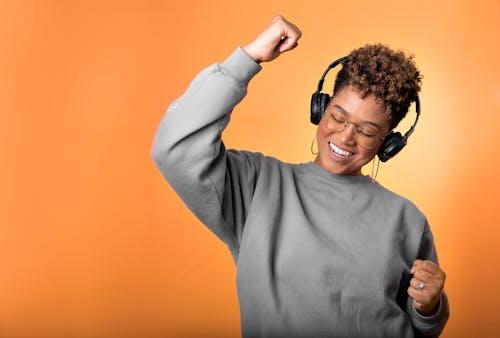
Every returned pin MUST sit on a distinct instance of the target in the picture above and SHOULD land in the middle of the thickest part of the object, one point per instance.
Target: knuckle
(278, 17)
(428, 264)
(441, 285)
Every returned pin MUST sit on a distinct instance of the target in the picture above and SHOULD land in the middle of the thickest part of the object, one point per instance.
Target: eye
(338, 117)
(368, 131)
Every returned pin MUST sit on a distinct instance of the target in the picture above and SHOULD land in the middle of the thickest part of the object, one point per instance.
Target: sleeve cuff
(427, 317)
(430, 325)
(241, 66)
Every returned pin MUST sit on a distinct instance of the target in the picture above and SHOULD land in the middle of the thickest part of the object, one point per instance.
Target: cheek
(323, 127)
(367, 155)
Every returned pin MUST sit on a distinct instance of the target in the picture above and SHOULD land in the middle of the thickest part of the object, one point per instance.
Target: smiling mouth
(338, 151)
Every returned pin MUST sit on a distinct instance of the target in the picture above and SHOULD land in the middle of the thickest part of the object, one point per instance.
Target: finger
(414, 294)
(431, 271)
(421, 286)
(290, 36)
(417, 304)
(417, 262)
(422, 302)
(427, 297)
(429, 266)
(287, 45)
(423, 298)
(288, 28)
(290, 32)
(425, 276)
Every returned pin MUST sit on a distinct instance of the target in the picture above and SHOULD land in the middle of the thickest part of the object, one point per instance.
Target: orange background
(93, 241)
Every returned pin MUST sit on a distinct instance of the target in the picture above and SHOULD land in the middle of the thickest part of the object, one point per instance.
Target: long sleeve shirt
(317, 254)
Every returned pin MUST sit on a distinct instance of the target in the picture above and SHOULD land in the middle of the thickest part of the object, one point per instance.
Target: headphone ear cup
(393, 143)
(318, 106)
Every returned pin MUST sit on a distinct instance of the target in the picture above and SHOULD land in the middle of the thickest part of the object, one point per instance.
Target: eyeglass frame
(357, 131)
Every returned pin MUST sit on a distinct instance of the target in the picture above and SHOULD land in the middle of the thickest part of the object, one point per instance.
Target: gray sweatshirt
(317, 254)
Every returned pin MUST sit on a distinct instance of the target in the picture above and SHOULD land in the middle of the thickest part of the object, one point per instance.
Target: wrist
(250, 52)
(431, 311)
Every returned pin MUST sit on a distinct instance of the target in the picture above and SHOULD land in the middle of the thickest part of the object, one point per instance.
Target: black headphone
(393, 142)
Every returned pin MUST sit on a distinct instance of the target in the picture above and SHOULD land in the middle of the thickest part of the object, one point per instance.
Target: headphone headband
(417, 110)
(331, 66)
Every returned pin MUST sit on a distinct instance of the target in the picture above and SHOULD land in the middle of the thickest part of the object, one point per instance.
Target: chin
(337, 168)
(342, 165)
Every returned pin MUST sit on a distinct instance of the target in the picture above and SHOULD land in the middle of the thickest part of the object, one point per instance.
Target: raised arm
(214, 183)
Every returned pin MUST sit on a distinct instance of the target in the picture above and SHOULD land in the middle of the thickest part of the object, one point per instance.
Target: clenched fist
(426, 286)
(278, 37)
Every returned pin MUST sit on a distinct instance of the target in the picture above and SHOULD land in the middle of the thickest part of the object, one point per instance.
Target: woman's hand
(426, 286)
(278, 37)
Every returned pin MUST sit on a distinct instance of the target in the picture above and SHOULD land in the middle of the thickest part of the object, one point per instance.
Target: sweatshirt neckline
(346, 179)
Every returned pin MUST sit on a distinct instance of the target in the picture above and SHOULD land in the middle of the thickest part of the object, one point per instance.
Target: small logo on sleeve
(173, 106)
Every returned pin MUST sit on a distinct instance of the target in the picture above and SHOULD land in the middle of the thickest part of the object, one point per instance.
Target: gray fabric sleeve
(428, 326)
(189, 152)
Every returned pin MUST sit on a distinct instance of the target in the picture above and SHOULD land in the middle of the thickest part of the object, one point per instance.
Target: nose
(348, 134)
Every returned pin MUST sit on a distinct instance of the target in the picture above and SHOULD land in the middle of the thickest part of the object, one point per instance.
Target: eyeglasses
(366, 135)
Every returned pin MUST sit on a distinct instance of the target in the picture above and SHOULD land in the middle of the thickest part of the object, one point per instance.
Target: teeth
(339, 151)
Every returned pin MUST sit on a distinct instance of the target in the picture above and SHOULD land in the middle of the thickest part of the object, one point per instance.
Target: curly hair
(390, 75)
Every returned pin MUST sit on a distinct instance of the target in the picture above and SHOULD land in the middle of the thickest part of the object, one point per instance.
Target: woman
(320, 250)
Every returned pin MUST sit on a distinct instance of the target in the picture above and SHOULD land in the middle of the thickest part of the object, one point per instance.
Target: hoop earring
(312, 145)
(373, 168)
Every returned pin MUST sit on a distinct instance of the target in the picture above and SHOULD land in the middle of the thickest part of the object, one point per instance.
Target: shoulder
(255, 160)
(255, 157)
(398, 202)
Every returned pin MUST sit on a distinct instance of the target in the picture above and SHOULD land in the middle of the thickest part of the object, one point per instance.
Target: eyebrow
(342, 110)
